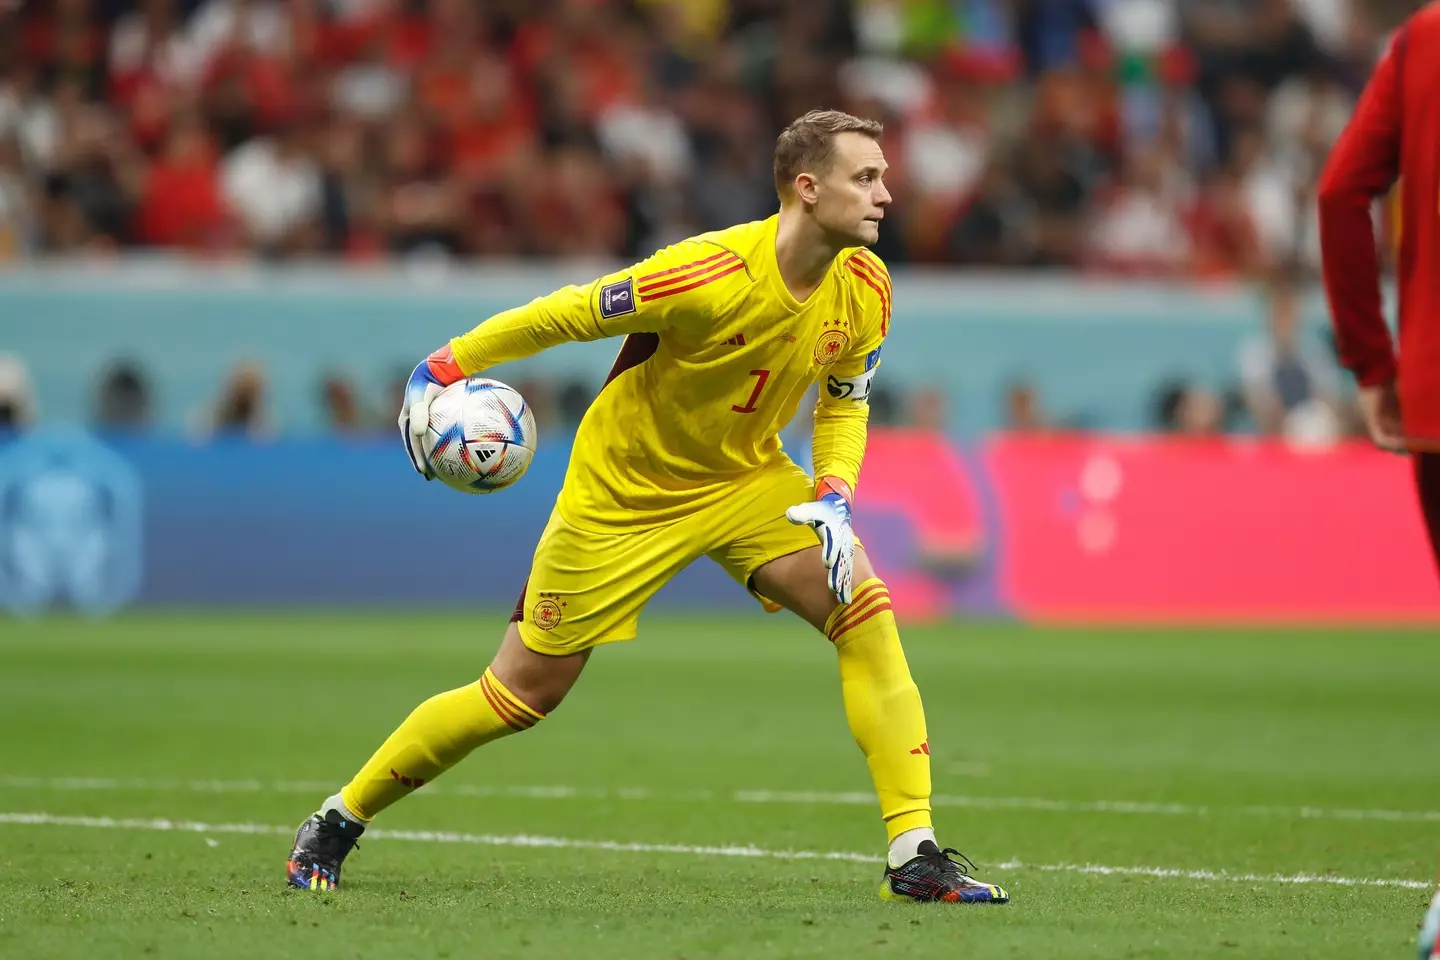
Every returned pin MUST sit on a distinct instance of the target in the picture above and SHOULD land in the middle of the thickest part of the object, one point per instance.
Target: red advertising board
(1083, 528)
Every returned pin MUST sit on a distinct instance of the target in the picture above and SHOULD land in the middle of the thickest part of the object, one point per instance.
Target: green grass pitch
(1191, 793)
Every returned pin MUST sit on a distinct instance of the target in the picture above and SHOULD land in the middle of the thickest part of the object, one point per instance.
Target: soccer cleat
(321, 843)
(933, 876)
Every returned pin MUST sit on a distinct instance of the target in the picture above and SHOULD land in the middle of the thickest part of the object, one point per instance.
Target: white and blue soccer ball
(481, 436)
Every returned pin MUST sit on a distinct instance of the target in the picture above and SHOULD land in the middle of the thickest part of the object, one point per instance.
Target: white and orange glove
(829, 515)
(429, 378)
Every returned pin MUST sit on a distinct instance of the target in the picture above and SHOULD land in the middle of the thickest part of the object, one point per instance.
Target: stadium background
(231, 226)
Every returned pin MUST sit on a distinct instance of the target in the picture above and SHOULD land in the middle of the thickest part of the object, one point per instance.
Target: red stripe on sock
(877, 609)
(860, 601)
(491, 699)
(502, 708)
(858, 606)
(518, 709)
(862, 597)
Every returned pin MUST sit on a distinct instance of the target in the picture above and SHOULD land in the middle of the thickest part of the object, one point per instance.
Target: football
(481, 436)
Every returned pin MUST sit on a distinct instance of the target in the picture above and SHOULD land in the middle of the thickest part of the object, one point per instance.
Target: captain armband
(856, 389)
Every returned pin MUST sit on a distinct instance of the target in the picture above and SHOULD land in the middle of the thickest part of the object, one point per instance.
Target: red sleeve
(1363, 165)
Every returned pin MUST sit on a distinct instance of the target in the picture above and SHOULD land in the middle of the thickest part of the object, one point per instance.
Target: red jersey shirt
(1394, 134)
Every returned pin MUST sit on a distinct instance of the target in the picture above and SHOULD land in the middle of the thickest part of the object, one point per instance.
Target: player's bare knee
(863, 568)
(538, 680)
(798, 583)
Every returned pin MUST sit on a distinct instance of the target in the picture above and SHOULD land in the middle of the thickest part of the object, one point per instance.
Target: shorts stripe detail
(652, 277)
(515, 714)
(693, 280)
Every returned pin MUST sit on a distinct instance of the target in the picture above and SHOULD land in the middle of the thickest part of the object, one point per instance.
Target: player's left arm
(842, 415)
(843, 411)
(1364, 163)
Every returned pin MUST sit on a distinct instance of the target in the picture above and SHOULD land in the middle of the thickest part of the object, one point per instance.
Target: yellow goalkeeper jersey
(717, 357)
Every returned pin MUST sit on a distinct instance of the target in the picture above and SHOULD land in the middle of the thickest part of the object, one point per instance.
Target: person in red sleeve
(1393, 135)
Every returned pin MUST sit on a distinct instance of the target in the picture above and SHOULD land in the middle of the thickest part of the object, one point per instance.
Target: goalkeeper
(724, 335)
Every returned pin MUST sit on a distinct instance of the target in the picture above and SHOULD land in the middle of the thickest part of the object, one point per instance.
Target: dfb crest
(69, 525)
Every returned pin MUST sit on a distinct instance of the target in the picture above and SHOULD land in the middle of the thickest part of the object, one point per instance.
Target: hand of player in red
(1380, 406)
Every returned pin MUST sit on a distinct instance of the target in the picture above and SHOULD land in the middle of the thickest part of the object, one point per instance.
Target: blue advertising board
(93, 524)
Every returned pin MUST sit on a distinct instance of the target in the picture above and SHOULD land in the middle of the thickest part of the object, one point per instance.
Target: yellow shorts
(589, 587)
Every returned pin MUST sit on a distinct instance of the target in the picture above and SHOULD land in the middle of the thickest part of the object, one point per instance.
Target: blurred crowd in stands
(1283, 385)
(1175, 138)
(1172, 137)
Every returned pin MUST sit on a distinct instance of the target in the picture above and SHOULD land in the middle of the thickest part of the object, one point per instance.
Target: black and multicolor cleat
(933, 877)
(321, 844)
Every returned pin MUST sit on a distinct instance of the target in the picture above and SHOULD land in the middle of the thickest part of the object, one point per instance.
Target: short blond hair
(808, 144)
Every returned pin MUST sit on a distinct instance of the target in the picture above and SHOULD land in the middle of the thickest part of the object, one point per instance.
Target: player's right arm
(649, 296)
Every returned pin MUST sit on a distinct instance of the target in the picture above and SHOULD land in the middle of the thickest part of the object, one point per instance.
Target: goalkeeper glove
(429, 378)
(829, 515)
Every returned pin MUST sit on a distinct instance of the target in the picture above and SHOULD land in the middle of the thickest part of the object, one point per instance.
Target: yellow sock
(437, 735)
(883, 706)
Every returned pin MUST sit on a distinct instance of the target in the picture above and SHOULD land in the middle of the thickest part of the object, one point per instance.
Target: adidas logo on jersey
(736, 341)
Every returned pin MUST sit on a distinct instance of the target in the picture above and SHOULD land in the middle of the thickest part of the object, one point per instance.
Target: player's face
(851, 197)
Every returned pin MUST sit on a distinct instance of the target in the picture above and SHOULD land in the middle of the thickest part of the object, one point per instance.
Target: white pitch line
(1212, 875)
(797, 797)
(991, 803)
(166, 825)
(615, 846)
